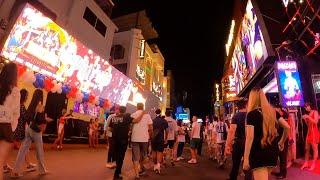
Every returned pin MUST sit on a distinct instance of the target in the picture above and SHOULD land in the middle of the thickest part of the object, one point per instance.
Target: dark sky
(192, 37)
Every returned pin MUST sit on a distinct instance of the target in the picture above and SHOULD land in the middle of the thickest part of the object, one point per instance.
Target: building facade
(139, 60)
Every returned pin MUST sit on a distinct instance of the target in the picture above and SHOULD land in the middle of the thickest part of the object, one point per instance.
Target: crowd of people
(258, 135)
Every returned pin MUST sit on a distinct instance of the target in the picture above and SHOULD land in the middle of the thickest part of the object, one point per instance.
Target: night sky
(192, 40)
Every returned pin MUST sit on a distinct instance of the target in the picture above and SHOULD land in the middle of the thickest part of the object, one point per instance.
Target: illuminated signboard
(285, 3)
(289, 84)
(230, 37)
(250, 49)
(316, 83)
(42, 45)
(217, 92)
(142, 48)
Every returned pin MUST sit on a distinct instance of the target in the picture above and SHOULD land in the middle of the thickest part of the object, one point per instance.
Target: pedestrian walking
(9, 111)
(119, 127)
(221, 132)
(141, 133)
(282, 117)
(19, 133)
(33, 134)
(91, 133)
(110, 157)
(261, 146)
(195, 140)
(159, 136)
(236, 139)
(172, 137)
(181, 140)
(312, 140)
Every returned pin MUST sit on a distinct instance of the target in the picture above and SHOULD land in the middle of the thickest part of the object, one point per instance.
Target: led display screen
(289, 84)
(250, 49)
(86, 108)
(42, 45)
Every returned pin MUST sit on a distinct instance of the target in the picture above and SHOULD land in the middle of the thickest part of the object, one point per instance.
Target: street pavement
(78, 162)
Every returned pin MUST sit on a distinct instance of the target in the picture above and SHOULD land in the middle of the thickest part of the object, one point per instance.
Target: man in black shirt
(120, 125)
(160, 126)
(236, 136)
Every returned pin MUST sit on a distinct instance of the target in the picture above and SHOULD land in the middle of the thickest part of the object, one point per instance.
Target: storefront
(72, 75)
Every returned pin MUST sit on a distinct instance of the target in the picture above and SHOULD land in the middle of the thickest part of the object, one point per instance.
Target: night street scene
(159, 89)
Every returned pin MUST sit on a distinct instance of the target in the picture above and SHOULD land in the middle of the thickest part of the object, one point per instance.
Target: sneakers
(313, 166)
(15, 175)
(305, 165)
(110, 165)
(46, 172)
(31, 167)
(192, 161)
(7, 168)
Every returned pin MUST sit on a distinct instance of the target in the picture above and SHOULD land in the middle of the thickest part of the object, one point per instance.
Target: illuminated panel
(250, 49)
(289, 84)
(42, 45)
(230, 37)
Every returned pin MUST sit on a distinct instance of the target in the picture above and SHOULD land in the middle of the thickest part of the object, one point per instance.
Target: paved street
(78, 162)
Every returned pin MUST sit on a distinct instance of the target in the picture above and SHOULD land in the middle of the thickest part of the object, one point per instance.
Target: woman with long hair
(34, 132)
(23, 123)
(261, 146)
(9, 110)
(311, 119)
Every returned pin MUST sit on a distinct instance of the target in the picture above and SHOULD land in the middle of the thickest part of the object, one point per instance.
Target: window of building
(117, 52)
(94, 21)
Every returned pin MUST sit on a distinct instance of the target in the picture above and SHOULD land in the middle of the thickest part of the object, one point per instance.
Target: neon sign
(289, 84)
(40, 44)
(230, 37)
(217, 93)
(142, 48)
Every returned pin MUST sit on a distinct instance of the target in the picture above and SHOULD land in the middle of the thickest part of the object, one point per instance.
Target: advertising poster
(250, 49)
(289, 84)
(40, 44)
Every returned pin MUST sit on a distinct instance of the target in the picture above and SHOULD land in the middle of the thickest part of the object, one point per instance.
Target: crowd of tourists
(258, 135)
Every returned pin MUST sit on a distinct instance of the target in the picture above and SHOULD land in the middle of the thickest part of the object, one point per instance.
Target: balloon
(65, 89)
(97, 100)
(21, 70)
(91, 98)
(107, 104)
(101, 102)
(48, 84)
(85, 97)
(72, 92)
(28, 77)
(79, 96)
(39, 82)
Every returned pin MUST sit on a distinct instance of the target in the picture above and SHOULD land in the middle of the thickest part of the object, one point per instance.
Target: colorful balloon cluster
(50, 85)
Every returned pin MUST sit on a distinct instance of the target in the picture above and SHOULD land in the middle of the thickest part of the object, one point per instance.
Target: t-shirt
(159, 126)
(10, 109)
(221, 130)
(182, 135)
(196, 130)
(255, 119)
(172, 129)
(279, 116)
(140, 130)
(107, 124)
(240, 120)
(120, 125)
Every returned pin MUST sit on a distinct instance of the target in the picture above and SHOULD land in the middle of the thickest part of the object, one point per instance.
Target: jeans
(31, 136)
(180, 149)
(120, 148)
(283, 159)
(237, 154)
(110, 156)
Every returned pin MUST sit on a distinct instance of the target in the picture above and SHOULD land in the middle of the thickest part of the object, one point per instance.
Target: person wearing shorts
(141, 131)
(195, 140)
(172, 137)
(160, 125)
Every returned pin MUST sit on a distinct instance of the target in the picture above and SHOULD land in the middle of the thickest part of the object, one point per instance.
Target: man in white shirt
(172, 136)
(221, 131)
(141, 132)
(195, 140)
